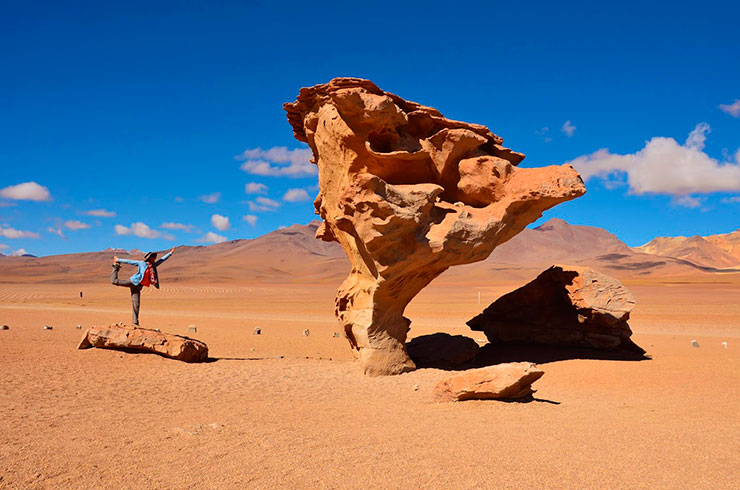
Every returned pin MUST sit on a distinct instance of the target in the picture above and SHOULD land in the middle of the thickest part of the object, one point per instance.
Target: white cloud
(221, 223)
(568, 129)
(266, 201)
(688, 201)
(19, 252)
(731, 200)
(255, 188)
(263, 204)
(211, 237)
(9, 232)
(178, 226)
(731, 109)
(3, 246)
(179, 199)
(141, 230)
(664, 166)
(76, 225)
(212, 198)
(278, 161)
(27, 191)
(101, 213)
(698, 136)
(251, 219)
(56, 231)
(296, 195)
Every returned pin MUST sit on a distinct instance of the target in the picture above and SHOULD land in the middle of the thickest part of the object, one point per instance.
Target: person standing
(145, 276)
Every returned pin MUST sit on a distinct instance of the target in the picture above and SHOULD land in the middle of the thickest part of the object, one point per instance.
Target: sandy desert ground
(281, 410)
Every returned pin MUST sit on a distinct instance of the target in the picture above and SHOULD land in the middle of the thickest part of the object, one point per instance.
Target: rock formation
(510, 381)
(442, 350)
(564, 305)
(127, 338)
(408, 193)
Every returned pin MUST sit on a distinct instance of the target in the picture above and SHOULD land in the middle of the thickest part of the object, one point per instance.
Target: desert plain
(288, 410)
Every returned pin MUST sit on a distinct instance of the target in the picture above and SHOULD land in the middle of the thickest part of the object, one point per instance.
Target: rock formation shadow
(542, 354)
(492, 354)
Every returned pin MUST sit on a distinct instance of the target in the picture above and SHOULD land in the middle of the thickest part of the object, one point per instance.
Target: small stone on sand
(694, 343)
(257, 331)
(306, 333)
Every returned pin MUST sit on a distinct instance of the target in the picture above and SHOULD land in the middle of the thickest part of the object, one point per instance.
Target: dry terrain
(285, 410)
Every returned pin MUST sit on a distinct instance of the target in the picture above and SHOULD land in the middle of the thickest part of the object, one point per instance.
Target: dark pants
(135, 292)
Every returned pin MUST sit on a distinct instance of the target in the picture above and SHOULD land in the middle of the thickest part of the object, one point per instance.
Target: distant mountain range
(713, 250)
(293, 255)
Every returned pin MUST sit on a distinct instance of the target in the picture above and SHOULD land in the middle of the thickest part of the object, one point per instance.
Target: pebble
(5, 327)
(79, 327)
(724, 344)
(416, 387)
(48, 327)
(336, 335)
(192, 328)
(694, 343)
(306, 333)
(257, 331)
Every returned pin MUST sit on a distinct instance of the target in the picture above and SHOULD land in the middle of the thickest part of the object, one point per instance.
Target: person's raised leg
(114, 277)
(135, 302)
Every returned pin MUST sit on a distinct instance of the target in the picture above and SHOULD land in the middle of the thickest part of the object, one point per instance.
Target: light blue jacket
(142, 265)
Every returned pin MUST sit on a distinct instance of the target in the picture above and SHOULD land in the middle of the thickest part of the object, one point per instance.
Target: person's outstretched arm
(126, 261)
(165, 257)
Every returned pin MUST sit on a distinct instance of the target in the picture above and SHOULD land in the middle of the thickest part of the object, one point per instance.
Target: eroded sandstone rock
(510, 381)
(124, 337)
(564, 305)
(409, 193)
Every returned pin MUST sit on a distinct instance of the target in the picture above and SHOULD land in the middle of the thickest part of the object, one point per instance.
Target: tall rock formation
(408, 193)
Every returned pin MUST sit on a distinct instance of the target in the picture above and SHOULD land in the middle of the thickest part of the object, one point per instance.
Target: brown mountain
(721, 251)
(293, 255)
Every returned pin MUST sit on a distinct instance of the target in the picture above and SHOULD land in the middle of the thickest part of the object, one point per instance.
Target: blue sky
(146, 114)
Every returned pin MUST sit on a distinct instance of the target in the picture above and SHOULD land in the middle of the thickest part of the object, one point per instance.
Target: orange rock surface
(124, 337)
(408, 193)
(509, 381)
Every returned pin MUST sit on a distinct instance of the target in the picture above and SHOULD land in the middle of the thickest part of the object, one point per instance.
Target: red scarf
(149, 277)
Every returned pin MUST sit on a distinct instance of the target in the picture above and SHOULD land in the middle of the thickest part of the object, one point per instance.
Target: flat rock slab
(510, 381)
(128, 338)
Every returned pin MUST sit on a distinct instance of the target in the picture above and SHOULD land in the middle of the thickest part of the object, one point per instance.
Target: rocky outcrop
(442, 350)
(128, 338)
(408, 193)
(566, 306)
(510, 381)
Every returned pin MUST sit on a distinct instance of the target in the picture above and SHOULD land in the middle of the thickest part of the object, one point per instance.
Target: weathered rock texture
(564, 305)
(510, 381)
(442, 350)
(124, 337)
(408, 193)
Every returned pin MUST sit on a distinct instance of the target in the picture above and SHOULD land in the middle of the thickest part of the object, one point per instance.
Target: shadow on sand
(492, 354)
